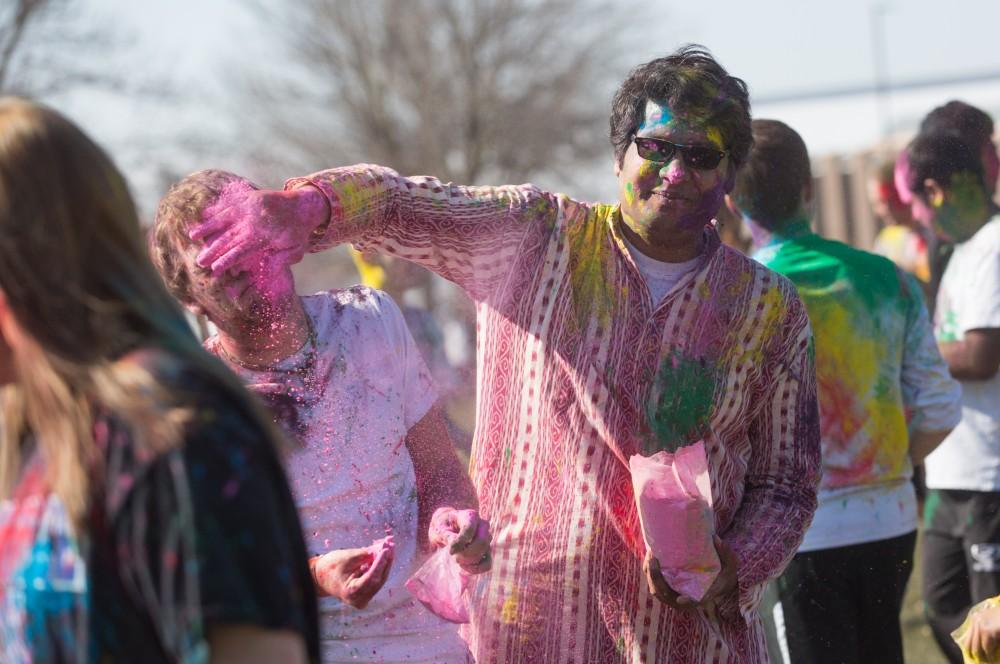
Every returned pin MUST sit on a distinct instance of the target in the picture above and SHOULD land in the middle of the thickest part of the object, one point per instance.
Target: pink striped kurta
(577, 371)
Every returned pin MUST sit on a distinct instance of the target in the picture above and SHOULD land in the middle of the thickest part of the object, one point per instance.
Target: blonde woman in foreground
(145, 516)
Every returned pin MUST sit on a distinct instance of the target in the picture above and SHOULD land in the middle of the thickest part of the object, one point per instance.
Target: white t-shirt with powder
(660, 277)
(969, 299)
(351, 403)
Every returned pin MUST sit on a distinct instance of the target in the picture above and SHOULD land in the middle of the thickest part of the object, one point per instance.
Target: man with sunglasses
(604, 331)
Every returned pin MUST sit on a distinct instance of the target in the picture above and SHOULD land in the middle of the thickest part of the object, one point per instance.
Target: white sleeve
(417, 388)
(931, 396)
(982, 310)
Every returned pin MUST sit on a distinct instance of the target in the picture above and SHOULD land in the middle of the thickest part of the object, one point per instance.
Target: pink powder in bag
(440, 585)
(674, 496)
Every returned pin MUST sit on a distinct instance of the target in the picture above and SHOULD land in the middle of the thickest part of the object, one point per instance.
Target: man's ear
(933, 193)
(618, 166)
(808, 192)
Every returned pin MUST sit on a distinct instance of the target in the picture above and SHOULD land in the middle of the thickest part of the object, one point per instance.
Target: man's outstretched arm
(469, 235)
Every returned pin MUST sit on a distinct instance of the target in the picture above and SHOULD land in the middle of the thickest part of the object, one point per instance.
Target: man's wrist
(312, 207)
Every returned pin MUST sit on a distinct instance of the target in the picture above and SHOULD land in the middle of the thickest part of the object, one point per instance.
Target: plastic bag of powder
(441, 585)
(674, 496)
(961, 635)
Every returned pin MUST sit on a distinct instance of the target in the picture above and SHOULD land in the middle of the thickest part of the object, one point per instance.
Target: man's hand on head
(246, 229)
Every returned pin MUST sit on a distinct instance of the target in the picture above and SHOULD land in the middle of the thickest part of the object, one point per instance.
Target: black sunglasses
(661, 151)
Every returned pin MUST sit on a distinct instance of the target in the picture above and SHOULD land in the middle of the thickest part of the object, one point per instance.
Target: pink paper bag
(674, 496)
(440, 585)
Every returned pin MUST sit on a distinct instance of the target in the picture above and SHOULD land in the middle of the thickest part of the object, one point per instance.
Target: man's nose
(675, 170)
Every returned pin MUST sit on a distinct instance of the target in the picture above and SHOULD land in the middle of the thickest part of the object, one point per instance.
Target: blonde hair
(94, 324)
(180, 209)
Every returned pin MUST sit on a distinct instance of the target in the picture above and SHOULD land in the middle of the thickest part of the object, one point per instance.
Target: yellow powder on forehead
(713, 134)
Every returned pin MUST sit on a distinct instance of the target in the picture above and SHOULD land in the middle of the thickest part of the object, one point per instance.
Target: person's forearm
(963, 363)
(768, 529)
(471, 236)
(923, 443)
(441, 479)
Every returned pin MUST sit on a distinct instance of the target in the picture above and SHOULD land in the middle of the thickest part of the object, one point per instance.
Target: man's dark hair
(689, 80)
(972, 125)
(769, 187)
(940, 156)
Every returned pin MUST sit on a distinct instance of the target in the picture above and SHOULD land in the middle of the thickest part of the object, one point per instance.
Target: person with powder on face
(902, 240)
(961, 544)
(604, 331)
(344, 379)
(886, 400)
(144, 512)
(975, 128)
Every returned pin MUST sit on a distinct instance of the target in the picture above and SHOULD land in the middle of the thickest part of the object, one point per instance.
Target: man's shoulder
(357, 300)
(737, 267)
(356, 310)
(986, 240)
(813, 260)
(748, 285)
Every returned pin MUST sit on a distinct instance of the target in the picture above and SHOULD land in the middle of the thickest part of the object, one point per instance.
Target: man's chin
(673, 224)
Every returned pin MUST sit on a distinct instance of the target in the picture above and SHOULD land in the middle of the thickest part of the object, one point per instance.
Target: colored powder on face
(715, 136)
(657, 115)
(629, 193)
(709, 201)
(966, 212)
(685, 387)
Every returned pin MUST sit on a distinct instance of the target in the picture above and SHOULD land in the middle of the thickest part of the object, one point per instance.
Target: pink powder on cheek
(708, 205)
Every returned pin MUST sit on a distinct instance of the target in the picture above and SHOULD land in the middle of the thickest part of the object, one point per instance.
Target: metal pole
(881, 64)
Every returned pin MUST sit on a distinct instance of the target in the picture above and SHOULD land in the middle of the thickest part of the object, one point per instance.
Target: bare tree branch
(13, 22)
(464, 90)
(41, 47)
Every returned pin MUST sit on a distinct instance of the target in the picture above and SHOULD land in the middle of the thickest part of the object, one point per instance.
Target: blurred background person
(974, 127)
(901, 239)
(146, 515)
(961, 546)
(885, 400)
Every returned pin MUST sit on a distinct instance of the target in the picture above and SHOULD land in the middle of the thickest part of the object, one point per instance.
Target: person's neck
(761, 236)
(266, 343)
(994, 211)
(684, 246)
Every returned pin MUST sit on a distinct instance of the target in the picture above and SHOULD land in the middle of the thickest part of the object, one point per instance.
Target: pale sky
(777, 46)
